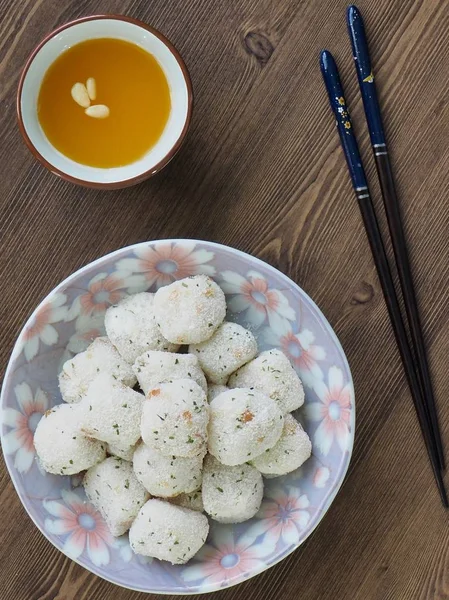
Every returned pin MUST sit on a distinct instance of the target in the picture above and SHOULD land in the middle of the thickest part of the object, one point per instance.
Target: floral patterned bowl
(259, 297)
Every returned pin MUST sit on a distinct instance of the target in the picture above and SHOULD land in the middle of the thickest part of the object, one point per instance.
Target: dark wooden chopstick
(378, 142)
(359, 182)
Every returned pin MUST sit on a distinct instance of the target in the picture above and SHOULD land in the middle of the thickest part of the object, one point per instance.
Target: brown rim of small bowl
(125, 182)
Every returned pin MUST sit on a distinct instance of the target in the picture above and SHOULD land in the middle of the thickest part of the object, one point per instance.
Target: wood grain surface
(262, 170)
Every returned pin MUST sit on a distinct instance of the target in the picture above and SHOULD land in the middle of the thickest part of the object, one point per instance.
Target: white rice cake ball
(100, 357)
(60, 446)
(168, 532)
(175, 417)
(167, 476)
(111, 412)
(193, 500)
(291, 451)
(126, 453)
(243, 424)
(230, 347)
(272, 373)
(132, 328)
(214, 390)
(188, 311)
(231, 494)
(113, 489)
(153, 367)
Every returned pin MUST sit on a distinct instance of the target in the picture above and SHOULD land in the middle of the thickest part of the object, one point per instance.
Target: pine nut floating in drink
(98, 111)
(80, 95)
(91, 86)
(104, 102)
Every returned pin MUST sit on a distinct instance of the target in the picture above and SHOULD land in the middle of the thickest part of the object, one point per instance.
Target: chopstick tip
(440, 484)
(352, 11)
(326, 59)
(353, 14)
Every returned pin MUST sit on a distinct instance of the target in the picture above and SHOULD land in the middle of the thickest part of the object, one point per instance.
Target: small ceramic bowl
(280, 315)
(100, 26)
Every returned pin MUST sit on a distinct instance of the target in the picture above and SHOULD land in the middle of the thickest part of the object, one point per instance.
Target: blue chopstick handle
(365, 75)
(344, 125)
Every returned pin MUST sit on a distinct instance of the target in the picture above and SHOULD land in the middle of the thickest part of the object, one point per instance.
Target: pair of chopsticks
(414, 357)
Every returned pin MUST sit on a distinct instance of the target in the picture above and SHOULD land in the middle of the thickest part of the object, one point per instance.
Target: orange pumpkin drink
(104, 102)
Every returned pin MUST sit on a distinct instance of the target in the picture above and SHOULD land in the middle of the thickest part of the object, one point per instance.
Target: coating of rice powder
(188, 311)
(111, 412)
(168, 532)
(243, 424)
(193, 500)
(79, 371)
(167, 476)
(132, 328)
(231, 494)
(230, 347)
(214, 390)
(175, 417)
(154, 367)
(126, 453)
(60, 446)
(271, 373)
(113, 489)
(291, 451)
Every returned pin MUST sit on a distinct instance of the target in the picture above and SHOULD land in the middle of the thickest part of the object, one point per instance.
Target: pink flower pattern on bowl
(253, 296)
(81, 526)
(300, 348)
(259, 297)
(40, 327)
(226, 560)
(23, 422)
(284, 515)
(333, 412)
(85, 335)
(165, 262)
(321, 477)
(100, 293)
(122, 543)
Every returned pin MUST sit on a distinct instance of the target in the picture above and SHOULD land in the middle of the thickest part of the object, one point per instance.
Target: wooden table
(262, 170)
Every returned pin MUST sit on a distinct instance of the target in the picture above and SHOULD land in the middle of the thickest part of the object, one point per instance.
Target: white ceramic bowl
(259, 297)
(101, 26)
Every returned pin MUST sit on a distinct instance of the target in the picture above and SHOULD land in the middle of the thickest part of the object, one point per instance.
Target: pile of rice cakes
(174, 417)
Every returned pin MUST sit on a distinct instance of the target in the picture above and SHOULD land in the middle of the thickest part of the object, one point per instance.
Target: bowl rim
(122, 183)
(17, 348)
